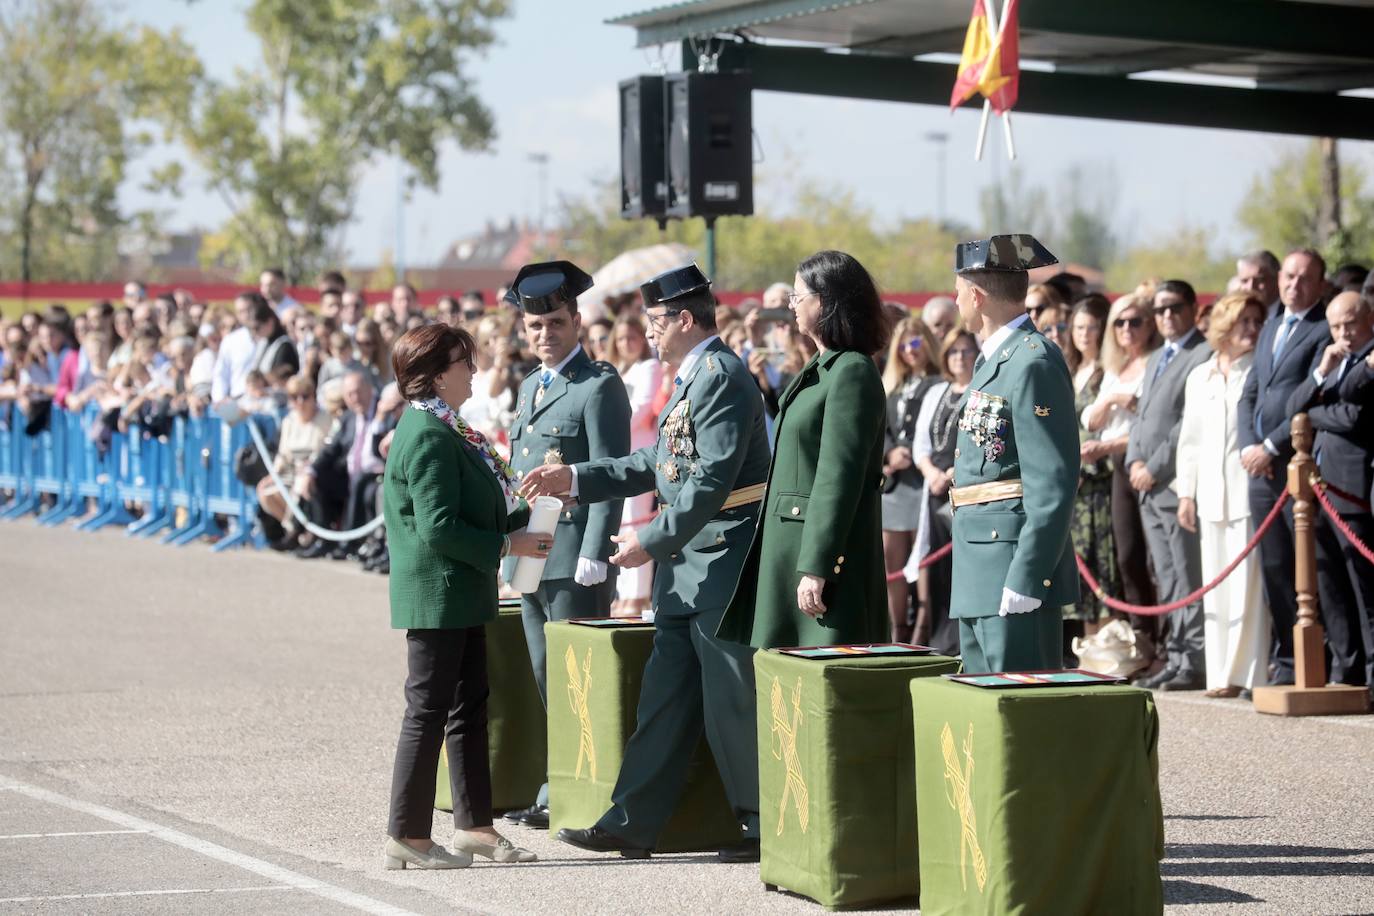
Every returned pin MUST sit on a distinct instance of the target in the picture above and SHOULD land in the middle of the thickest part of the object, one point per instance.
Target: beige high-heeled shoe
(397, 855)
(503, 851)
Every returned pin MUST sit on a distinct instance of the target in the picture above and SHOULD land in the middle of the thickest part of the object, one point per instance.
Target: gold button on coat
(796, 510)
(524, 451)
(530, 428)
(840, 560)
(994, 534)
(1047, 583)
(555, 430)
(837, 570)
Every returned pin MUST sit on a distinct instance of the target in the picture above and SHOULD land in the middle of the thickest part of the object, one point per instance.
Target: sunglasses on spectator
(1062, 327)
(966, 352)
(1035, 311)
(1133, 323)
(1173, 308)
(912, 344)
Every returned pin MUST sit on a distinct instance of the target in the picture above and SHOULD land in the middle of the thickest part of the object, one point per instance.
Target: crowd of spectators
(1184, 409)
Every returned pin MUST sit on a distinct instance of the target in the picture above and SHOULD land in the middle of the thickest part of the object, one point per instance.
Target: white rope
(285, 492)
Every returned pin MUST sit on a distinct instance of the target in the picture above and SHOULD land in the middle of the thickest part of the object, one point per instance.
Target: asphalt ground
(182, 732)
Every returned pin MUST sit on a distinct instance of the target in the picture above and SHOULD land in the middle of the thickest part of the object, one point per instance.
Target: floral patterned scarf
(505, 474)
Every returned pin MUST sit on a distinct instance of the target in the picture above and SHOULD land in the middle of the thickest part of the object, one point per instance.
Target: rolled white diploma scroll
(543, 520)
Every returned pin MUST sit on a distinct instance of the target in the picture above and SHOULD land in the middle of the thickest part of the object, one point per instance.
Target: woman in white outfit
(1213, 499)
(643, 375)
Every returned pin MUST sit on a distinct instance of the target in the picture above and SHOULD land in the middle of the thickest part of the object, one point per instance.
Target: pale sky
(552, 85)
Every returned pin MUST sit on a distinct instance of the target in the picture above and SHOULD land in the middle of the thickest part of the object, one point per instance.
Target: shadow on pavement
(1180, 893)
(1255, 851)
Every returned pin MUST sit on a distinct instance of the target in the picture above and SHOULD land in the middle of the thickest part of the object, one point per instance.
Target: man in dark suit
(1175, 555)
(1291, 338)
(340, 485)
(1345, 436)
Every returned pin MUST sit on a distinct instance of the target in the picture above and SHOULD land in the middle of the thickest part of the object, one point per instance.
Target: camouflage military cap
(1019, 251)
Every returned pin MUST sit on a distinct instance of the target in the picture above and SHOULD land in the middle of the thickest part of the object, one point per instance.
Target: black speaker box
(710, 155)
(643, 184)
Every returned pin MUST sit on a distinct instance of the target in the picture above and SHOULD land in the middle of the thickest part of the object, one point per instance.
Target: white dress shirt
(233, 362)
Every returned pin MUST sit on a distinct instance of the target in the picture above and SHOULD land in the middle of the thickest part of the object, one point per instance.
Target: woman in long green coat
(451, 515)
(814, 575)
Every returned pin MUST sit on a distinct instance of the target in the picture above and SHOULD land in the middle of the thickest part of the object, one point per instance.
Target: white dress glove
(1014, 603)
(593, 572)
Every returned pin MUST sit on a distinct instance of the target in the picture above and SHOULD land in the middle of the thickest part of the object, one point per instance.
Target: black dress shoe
(382, 565)
(1189, 681)
(315, 550)
(537, 817)
(747, 851)
(516, 814)
(594, 839)
(1159, 677)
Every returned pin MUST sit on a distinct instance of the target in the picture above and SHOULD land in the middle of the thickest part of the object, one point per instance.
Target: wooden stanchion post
(1309, 695)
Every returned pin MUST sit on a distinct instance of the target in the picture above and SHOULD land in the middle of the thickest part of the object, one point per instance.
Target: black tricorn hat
(548, 286)
(1019, 251)
(674, 284)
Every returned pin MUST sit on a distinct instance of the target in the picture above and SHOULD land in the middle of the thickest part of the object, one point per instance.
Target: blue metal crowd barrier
(181, 484)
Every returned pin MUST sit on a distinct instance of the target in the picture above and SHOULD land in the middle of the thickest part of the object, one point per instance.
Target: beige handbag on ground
(1111, 650)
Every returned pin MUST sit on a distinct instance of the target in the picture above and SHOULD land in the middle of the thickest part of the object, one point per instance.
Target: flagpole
(987, 103)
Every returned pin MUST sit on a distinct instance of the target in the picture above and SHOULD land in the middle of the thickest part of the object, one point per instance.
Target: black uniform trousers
(1276, 569)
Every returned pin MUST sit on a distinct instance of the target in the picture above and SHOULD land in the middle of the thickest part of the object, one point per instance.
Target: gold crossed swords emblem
(959, 794)
(784, 747)
(578, 690)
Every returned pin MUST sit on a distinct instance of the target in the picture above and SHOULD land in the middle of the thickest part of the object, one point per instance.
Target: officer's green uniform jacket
(1017, 420)
(698, 546)
(823, 515)
(584, 414)
(445, 517)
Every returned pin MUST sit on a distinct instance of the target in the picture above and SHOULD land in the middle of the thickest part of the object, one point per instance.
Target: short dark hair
(331, 279)
(276, 272)
(701, 305)
(852, 315)
(1315, 255)
(1003, 285)
(422, 354)
(1181, 288)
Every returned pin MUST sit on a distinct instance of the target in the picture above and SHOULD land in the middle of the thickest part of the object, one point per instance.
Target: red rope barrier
(930, 559)
(1159, 610)
(1340, 523)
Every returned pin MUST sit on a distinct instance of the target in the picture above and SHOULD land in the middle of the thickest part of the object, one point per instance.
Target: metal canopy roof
(1282, 63)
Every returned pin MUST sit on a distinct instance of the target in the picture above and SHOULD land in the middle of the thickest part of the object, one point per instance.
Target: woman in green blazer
(814, 575)
(451, 514)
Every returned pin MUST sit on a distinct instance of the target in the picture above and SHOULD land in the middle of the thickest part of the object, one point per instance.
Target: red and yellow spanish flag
(989, 66)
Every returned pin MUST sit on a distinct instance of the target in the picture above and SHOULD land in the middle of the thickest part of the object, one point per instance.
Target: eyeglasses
(1132, 323)
(1172, 308)
(912, 344)
(657, 321)
(965, 352)
(1035, 311)
(793, 299)
(1062, 327)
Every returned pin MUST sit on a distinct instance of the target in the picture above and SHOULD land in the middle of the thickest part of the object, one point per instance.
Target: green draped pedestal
(594, 681)
(837, 797)
(1037, 800)
(515, 717)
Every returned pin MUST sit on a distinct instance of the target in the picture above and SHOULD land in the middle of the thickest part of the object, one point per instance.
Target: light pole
(940, 139)
(541, 161)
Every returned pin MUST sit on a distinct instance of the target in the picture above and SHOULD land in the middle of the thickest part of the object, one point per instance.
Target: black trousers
(1345, 584)
(1276, 554)
(446, 703)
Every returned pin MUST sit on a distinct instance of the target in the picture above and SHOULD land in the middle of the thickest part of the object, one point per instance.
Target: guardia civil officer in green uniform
(570, 408)
(708, 469)
(1015, 470)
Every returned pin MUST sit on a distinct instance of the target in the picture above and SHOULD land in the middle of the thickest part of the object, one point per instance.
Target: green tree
(1186, 253)
(340, 83)
(1282, 210)
(75, 95)
(755, 251)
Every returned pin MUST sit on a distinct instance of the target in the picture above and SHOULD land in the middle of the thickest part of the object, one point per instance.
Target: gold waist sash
(985, 493)
(741, 497)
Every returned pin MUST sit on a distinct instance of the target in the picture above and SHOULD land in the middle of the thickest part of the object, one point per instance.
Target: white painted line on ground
(212, 850)
(35, 836)
(1351, 722)
(189, 890)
